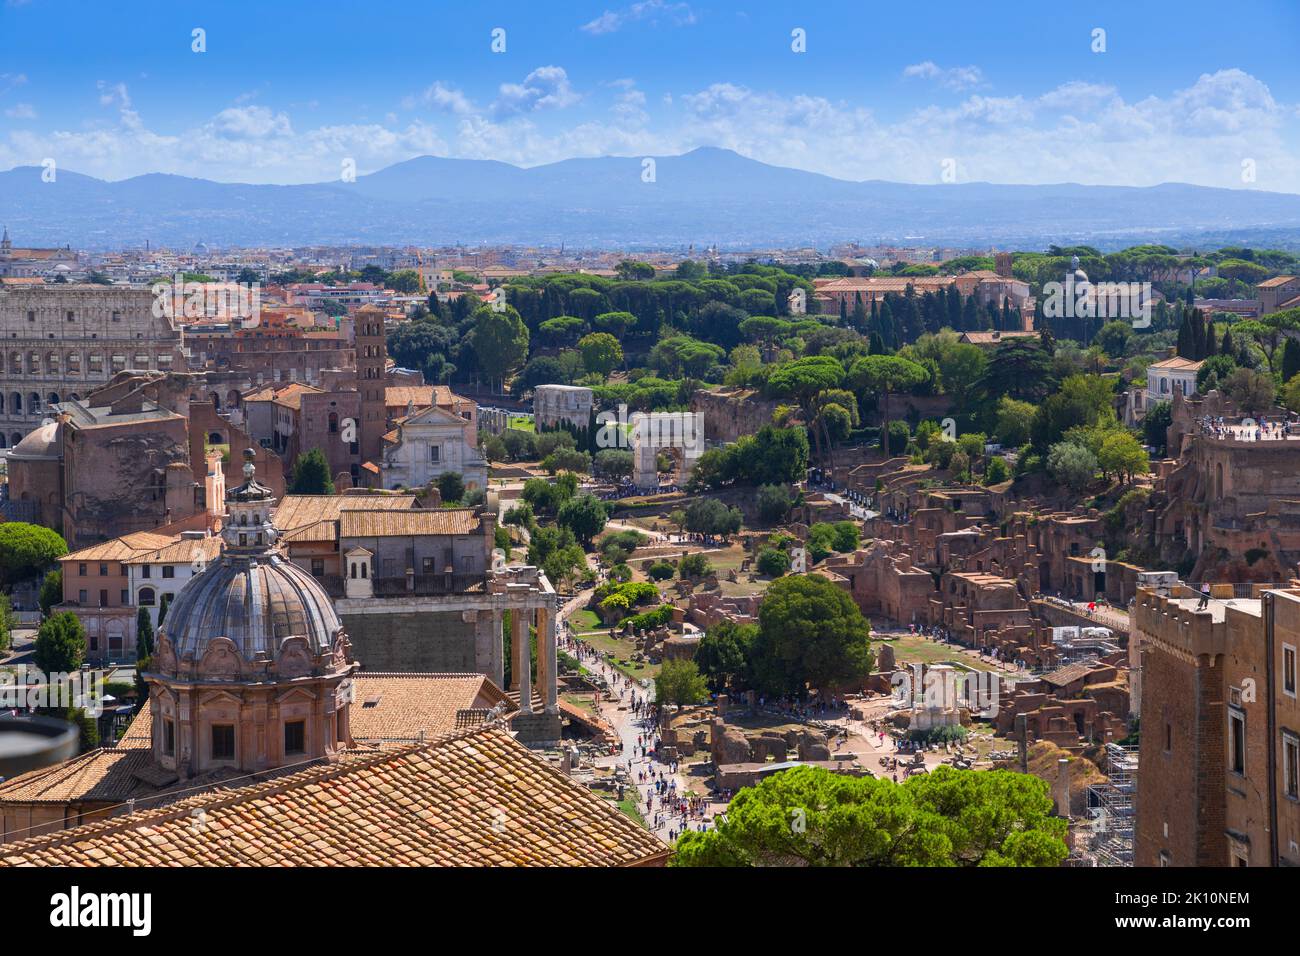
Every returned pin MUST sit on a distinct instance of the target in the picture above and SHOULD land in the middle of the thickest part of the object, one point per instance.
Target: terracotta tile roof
(181, 551)
(122, 549)
(1275, 281)
(472, 798)
(1177, 363)
(105, 774)
(988, 338)
(421, 396)
(392, 708)
(379, 524)
(302, 511)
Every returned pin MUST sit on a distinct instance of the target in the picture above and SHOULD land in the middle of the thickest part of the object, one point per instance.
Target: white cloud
(651, 11)
(441, 98)
(21, 111)
(113, 94)
(954, 78)
(1076, 132)
(547, 87)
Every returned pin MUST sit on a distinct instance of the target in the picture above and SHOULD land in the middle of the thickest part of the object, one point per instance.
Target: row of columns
(543, 618)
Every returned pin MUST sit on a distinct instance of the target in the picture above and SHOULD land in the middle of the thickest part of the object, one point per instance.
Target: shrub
(660, 571)
(694, 566)
(773, 562)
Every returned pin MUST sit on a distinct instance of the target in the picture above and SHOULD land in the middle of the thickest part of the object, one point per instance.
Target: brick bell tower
(372, 357)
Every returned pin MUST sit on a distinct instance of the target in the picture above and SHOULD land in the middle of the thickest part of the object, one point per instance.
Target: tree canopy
(812, 817)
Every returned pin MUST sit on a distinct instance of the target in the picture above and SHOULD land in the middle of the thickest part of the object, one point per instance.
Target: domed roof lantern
(248, 530)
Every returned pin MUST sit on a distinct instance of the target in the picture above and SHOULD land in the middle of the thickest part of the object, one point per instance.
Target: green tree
(601, 353)
(680, 683)
(311, 474)
(7, 622)
(500, 341)
(27, 549)
(811, 634)
(584, 515)
(451, 487)
(723, 655)
(885, 375)
(60, 644)
(1073, 465)
(773, 562)
(1121, 454)
(809, 816)
(51, 592)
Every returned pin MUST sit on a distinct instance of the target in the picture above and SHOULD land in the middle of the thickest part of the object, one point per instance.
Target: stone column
(497, 656)
(547, 669)
(521, 669)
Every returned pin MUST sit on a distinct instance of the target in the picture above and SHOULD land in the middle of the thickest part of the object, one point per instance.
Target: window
(318, 567)
(81, 569)
(1164, 858)
(117, 316)
(1237, 741)
(95, 362)
(103, 570)
(125, 596)
(295, 736)
(118, 361)
(1291, 765)
(31, 316)
(168, 571)
(74, 362)
(427, 566)
(435, 453)
(146, 597)
(72, 316)
(1169, 737)
(169, 737)
(146, 570)
(81, 597)
(223, 741)
(1288, 670)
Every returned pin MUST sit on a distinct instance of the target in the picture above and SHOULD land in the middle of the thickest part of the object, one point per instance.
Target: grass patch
(622, 651)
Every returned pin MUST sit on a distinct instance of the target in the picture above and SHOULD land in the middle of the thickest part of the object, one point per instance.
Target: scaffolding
(1113, 808)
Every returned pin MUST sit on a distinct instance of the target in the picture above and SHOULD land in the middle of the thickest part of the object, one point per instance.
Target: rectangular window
(103, 570)
(103, 599)
(435, 453)
(96, 363)
(31, 316)
(141, 359)
(295, 736)
(426, 566)
(81, 569)
(124, 596)
(145, 570)
(1291, 765)
(1237, 741)
(1288, 670)
(168, 571)
(1169, 737)
(119, 361)
(223, 741)
(318, 567)
(169, 736)
(72, 316)
(74, 362)
(164, 360)
(117, 316)
(81, 597)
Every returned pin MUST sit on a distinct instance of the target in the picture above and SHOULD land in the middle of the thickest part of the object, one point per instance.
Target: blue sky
(286, 91)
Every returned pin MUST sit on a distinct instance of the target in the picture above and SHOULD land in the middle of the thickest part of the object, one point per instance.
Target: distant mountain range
(705, 196)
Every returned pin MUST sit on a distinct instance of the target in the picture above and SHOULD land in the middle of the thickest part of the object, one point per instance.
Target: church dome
(253, 602)
(257, 605)
(41, 444)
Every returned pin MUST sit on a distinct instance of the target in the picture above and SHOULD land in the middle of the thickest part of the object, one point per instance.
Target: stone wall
(421, 641)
